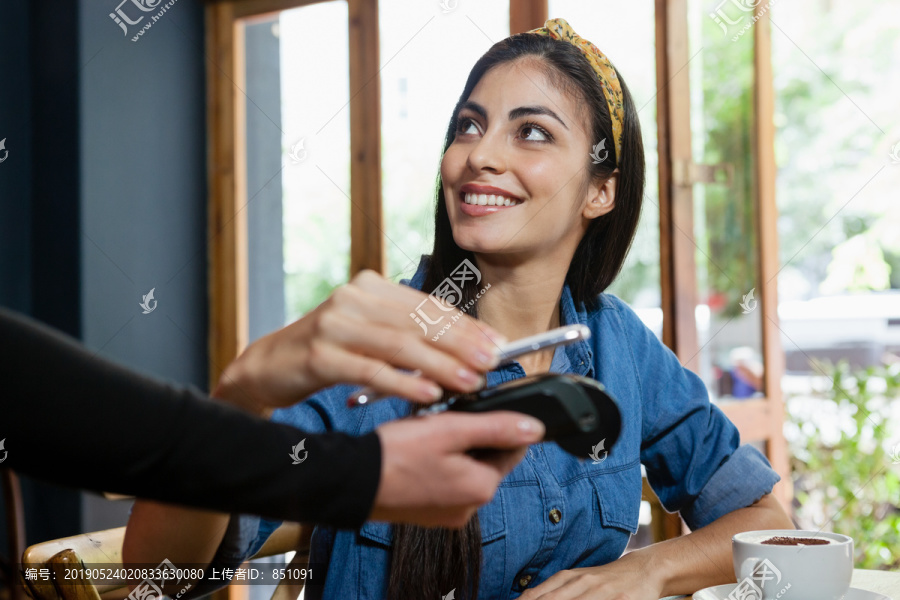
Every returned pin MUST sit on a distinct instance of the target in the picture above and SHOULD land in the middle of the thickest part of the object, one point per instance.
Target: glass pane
(632, 50)
(838, 154)
(427, 54)
(728, 326)
(298, 161)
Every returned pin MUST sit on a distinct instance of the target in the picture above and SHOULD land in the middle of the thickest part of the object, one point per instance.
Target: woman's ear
(601, 198)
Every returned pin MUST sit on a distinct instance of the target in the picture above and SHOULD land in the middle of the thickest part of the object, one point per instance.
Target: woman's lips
(481, 204)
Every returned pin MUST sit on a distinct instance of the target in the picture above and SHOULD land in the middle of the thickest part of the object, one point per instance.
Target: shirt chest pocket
(619, 497)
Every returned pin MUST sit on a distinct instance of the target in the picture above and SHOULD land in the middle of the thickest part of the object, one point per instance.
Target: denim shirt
(691, 451)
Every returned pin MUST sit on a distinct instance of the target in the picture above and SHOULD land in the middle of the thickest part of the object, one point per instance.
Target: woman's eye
(533, 133)
(467, 126)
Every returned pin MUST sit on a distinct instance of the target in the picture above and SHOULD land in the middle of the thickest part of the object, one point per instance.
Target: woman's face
(515, 176)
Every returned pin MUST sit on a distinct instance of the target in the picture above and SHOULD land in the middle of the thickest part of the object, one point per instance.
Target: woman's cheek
(541, 178)
(453, 163)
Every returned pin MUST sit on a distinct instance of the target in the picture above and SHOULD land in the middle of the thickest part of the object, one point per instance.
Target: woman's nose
(489, 154)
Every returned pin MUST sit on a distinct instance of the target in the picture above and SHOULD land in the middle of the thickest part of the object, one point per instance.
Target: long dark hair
(428, 563)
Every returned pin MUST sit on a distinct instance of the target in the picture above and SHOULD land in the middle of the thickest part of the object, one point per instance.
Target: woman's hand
(363, 334)
(629, 578)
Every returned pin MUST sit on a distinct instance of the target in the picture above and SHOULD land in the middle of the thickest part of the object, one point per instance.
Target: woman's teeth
(489, 200)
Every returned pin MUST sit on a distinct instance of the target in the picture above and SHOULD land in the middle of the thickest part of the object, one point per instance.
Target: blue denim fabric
(691, 451)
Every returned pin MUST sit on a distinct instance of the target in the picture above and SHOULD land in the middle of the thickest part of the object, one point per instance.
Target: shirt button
(524, 581)
(555, 515)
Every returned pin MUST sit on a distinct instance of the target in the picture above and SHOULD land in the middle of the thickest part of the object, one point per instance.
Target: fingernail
(467, 375)
(488, 359)
(432, 390)
(497, 337)
(531, 427)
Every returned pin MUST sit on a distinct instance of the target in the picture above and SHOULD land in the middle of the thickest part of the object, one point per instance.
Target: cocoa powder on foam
(795, 541)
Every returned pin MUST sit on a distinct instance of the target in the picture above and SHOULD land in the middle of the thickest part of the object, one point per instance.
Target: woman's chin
(480, 245)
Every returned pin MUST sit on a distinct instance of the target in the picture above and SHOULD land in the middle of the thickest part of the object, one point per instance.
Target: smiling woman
(530, 115)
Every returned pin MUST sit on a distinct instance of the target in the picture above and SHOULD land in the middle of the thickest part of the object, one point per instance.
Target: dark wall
(143, 197)
(103, 197)
(39, 220)
(15, 170)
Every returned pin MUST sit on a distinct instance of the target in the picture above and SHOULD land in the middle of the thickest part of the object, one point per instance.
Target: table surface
(882, 582)
(886, 583)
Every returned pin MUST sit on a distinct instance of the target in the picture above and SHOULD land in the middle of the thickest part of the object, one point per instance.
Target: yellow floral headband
(559, 29)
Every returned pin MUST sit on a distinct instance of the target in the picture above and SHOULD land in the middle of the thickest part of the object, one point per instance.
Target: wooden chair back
(15, 531)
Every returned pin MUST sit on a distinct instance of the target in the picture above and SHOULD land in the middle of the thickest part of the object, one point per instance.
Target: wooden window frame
(759, 419)
(226, 121)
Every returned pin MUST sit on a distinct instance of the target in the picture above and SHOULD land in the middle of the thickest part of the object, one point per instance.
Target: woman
(540, 189)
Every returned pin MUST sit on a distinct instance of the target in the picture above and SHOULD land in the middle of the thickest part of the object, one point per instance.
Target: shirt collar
(580, 356)
(418, 278)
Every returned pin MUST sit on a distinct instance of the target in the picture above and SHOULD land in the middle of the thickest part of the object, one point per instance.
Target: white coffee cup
(792, 572)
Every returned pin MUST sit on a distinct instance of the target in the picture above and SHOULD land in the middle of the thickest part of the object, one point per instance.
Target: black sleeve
(71, 418)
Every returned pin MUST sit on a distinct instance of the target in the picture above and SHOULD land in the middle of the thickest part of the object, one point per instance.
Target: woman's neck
(523, 300)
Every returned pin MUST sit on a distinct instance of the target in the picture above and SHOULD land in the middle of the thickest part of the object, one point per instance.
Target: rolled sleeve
(692, 452)
(242, 540)
(694, 457)
(739, 482)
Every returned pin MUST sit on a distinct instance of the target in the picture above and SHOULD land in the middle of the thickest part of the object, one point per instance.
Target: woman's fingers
(451, 369)
(471, 342)
(331, 364)
(363, 333)
(408, 300)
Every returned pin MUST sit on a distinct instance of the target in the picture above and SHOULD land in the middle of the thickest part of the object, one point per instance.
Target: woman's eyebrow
(524, 111)
(475, 108)
(516, 113)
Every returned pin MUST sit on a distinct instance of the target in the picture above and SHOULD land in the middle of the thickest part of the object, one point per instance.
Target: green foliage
(843, 473)
(317, 261)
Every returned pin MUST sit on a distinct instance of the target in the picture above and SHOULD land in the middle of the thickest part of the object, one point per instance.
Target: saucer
(720, 592)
